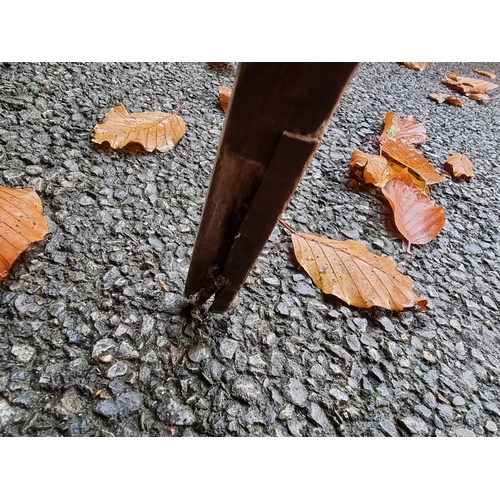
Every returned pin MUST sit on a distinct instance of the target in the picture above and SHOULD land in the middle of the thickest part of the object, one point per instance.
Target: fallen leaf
(418, 66)
(488, 74)
(224, 96)
(407, 130)
(478, 84)
(21, 223)
(459, 166)
(377, 170)
(440, 98)
(349, 271)
(372, 169)
(470, 86)
(416, 217)
(151, 129)
(413, 160)
(397, 170)
(478, 96)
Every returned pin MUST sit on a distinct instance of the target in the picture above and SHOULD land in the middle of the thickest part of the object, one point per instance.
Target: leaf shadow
(131, 149)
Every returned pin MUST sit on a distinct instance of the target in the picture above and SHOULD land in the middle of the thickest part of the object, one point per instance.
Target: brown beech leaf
(416, 217)
(21, 223)
(372, 168)
(459, 166)
(349, 271)
(397, 170)
(411, 158)
(407, 130)
(469, 86)
(151, 129)
(478, 96)
(418, 66)
(440, 98)
(488, 74)
(224, 96)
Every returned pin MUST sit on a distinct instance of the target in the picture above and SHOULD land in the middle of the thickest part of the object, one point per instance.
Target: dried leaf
(372, 168)
(151, 129)
(416, 217)
(476, 83)
(488, 74)
(411, 158)
(418, 66)
(469, 86)
(440, 98)
(21, 223)
(397, 170)
(224, 96)
(459, 166)
(478, 96)
(406, 130)
(349, 271)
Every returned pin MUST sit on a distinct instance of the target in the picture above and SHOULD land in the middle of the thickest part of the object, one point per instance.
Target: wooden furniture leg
(275, 121)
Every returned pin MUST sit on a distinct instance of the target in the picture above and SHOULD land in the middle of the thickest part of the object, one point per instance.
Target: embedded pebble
(227, 348)
(198, 353)
(491, 426)
(415, 425)
(23, 353)
(117, 370)
(246, 388)
(296, 392)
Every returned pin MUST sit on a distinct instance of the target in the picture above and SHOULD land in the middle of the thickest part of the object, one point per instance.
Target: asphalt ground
(91, 343)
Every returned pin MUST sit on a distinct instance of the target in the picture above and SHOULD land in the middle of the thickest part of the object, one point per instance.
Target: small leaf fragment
(21, 223)
(373, 168)
(418, 66)
(153, 130)
(416, 217)
(459, 166)
(440, 98)
(349, 271)
(224, 97)
(488, 74)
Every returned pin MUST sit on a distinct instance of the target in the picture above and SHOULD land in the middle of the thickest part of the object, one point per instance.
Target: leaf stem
(179, 109)
(287, 226)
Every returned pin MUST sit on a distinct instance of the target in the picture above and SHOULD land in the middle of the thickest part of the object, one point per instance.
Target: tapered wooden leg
(276, 118)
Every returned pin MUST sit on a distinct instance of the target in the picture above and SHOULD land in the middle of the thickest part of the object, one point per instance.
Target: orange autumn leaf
(21, 223)
(418, 66)
(407, 130)
(416, 217)
(349, 271)
(151, 129)
(412, 159)
(377, 170)
(474, 88)
(440, 98)
(397, 170)
(488, 74)
(372, 168)
(224, 97)
(479, 96)
(459, 166)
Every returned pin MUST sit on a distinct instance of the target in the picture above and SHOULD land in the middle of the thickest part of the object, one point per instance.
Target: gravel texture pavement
(98, 339)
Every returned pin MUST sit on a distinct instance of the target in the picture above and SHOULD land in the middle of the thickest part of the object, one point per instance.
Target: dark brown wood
(276, 118)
